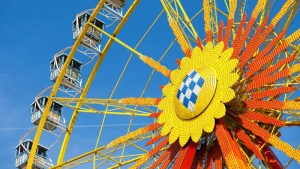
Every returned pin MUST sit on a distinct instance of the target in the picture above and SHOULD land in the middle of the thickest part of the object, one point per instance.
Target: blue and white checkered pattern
(189, 90)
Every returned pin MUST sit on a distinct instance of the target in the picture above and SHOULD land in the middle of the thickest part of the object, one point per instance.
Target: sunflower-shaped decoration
(197, 93)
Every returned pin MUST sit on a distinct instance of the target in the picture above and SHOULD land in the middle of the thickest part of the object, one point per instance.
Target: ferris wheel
(221, 107)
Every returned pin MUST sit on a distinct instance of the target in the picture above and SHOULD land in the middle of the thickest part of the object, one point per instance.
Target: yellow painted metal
(152, 75)
(117, 113)
(108, 157)
(241, 6)
(78, 157)
(187, 19)
(97, 151)
(125, 112)
(122, 156)
(118, 41)
(126, 162)
(84, 100)
(226, 4)
(165, 7)
(214, 19)
(292, 14)
(179, 17)
(103, 157)
(96, 101)
(117, 84)
(90, 79)
(104, 161)
(263, 12)
(90, 109)
(56, 87)
(87, 100)
(138, 147)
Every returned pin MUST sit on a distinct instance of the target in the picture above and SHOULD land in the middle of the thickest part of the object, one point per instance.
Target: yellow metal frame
(82, 100)
(117, 40)
(101, 100)
(56, 87)
(115, 87)
(89, 81)
(88, 156)
(186, 18)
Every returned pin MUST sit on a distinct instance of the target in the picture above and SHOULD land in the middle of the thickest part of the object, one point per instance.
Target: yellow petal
(230, 65)
(162, 104)
(166, 129)
(226, 66)
(208, 51)
(165, 104)
(168, 90)
(198, 60)
(210, 125)
(185, 64)
(227, 95)
(215, 109)
(196, 53)
(163, 117)
(196, 135)
(174, 76)
(183, 139)
(228, 80)
(221, 111)
(173, 136)
(208, 46)
(227, 53)
(219, 48)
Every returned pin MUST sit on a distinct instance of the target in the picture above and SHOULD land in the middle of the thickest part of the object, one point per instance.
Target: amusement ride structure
(222, 107)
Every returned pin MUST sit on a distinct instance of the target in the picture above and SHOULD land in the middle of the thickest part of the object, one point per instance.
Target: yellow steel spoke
(117, 40)
(195, 34)
(295, 10)
(119, 79)
(56, 87)
(125, 110)
(107, 157)
(111, 154)
(117, 113)
(99, 101)
(104, 150)
(226, 4)
(126, 162)
(90, 79)
(264, 12)
(87, 100)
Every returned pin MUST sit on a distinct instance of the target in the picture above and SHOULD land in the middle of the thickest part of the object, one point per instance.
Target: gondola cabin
(116, 3)
(22, 152)
(72, 77)
(92, 38)
(53, 119)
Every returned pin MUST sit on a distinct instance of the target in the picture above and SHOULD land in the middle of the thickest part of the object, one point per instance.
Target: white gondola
(72, 77)
(116, 3)
(115, 6)
(54, 119)
(92, 39)
(40, 159)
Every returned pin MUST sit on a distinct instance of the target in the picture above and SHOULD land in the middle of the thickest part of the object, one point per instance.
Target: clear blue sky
(33, 31)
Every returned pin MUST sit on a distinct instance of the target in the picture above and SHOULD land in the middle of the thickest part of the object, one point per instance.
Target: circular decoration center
(195, 92)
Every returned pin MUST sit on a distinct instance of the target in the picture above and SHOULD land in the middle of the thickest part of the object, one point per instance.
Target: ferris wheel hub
(195, 92)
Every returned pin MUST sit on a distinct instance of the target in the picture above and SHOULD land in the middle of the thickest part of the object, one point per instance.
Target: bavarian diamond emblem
(189, 90)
